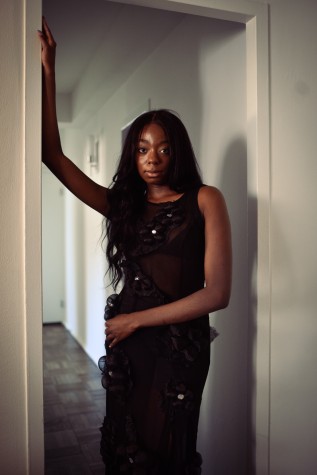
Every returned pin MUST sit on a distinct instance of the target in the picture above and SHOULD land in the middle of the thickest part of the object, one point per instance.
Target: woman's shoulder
(209, 197)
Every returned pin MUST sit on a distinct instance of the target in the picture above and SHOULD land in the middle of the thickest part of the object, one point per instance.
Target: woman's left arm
(217, 264)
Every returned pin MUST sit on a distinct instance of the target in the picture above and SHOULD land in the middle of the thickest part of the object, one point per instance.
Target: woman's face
(153, 155)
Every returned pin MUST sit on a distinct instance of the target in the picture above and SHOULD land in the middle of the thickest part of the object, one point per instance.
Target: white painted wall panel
(20, 402)
(12, 368)
(53, 248)
(294, 237)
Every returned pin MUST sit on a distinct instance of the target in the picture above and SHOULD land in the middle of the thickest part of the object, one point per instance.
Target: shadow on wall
(226, 436)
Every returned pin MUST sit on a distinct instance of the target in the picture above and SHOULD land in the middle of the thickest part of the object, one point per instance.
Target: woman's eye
(165, 151)
(141, 150)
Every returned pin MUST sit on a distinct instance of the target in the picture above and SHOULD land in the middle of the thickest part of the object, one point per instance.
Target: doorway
(248, 78)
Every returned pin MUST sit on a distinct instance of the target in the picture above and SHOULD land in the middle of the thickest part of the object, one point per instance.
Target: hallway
(74, 406)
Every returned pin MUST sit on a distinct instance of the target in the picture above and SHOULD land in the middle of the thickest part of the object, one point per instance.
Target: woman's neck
(161, 193)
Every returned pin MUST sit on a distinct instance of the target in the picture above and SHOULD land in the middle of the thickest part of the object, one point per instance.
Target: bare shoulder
(210, 199)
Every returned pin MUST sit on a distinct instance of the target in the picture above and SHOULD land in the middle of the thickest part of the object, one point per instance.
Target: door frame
(255, 16)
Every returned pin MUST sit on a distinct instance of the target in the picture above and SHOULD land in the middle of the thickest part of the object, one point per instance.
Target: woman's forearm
(51, 145)
(199, 303)
(188, 308)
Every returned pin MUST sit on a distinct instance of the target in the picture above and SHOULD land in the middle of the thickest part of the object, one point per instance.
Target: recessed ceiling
(80, 26)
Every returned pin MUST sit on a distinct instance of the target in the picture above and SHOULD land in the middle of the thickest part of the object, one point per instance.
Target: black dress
(155, 378)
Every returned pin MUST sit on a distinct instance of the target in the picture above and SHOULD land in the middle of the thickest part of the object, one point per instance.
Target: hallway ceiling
(80, 26)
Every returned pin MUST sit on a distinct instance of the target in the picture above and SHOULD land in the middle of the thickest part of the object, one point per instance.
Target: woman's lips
(152, 173)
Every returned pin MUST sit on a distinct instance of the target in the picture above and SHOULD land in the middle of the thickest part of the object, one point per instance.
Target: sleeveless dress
(155, 378)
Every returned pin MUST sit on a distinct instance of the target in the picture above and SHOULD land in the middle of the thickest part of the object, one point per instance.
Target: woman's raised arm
(65, 170)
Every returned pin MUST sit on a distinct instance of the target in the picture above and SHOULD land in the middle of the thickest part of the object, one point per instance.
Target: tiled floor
(74, 406)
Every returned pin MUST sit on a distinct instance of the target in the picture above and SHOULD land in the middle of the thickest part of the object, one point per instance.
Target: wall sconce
(93, 151)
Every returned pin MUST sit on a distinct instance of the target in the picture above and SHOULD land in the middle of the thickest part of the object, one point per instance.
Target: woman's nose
(152, 157)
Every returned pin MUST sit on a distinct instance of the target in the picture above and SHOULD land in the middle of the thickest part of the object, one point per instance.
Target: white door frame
(255, 17)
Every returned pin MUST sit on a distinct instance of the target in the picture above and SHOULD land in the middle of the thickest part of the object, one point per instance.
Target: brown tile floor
(74, 406)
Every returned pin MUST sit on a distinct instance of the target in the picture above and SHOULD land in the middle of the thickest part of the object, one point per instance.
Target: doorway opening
(251, 32)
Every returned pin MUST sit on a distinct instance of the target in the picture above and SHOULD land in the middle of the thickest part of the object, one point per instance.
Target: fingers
(46, 36)
(112, 343)
(111, 340)
(109, 335)
(48, 49)
(117, 329)
(48, 33)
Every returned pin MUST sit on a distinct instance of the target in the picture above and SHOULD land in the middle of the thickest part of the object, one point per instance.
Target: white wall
(293, 237)
(199, 70)
(53, 248)
(13, 404)
(85, 260)
(21, 431)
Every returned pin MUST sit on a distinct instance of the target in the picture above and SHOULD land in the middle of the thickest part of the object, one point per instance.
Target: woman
(169, 239)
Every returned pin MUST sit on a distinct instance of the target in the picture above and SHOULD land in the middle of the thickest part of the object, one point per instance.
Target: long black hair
(127, 192)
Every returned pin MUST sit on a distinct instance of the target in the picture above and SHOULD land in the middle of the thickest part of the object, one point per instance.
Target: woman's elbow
(224, 301)
(220, 299)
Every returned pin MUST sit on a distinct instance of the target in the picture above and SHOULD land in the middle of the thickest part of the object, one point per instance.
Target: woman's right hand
(48, 48)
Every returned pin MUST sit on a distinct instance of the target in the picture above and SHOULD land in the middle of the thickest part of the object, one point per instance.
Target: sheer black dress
(155, 378)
